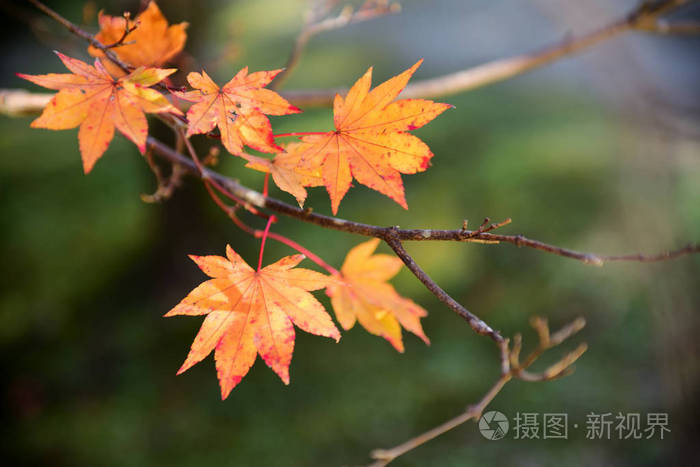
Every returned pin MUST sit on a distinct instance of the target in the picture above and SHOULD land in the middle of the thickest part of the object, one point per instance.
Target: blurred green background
(599, 152)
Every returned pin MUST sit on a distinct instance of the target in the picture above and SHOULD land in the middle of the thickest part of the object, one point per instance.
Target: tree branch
(18, 102)
(511, 369)
(643, 18)
(257, 199)
(479, 326)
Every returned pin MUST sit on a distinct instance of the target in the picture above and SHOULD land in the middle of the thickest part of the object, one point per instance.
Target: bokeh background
(598, 152)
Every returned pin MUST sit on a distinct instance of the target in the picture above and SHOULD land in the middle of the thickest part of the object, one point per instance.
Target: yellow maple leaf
(152, 43)
(361, 293)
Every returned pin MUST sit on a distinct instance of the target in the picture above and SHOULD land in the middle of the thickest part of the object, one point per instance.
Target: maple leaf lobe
(286, 172)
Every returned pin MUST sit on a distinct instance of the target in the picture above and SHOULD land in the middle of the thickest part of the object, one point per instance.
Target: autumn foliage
(253, 311)
(238, 110)
(361, 293)
(93, 99)
(149, 41)
(250, 312)
(371, 141)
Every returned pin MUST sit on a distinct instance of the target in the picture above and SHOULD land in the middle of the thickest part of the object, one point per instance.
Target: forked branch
(478, 325)
(512, 368)
(317, 22)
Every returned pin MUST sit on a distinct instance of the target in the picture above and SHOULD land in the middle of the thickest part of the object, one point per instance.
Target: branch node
(594, 260)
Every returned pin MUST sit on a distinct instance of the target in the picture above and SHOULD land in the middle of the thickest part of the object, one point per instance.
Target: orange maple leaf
(250, 312)
(91, 98)
(371, 141)
(286, 173)
(151, 43)
(362, 293)
(238, 109)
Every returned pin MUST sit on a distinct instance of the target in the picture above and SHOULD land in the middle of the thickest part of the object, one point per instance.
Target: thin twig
(479, 326)
(257, 233)
(127, 30)
(203, 174)
(384, 456)
(512, 369)
(677, 27)
(312, 27)
(211, 184)
(82, 34)
(688, 249)
(165, 186)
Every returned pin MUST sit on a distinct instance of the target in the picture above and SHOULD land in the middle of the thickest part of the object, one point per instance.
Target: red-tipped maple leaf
(151, 43)
(91, 98)
(362, 293)
(250, 312)
(371, 141)
(238, 109)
